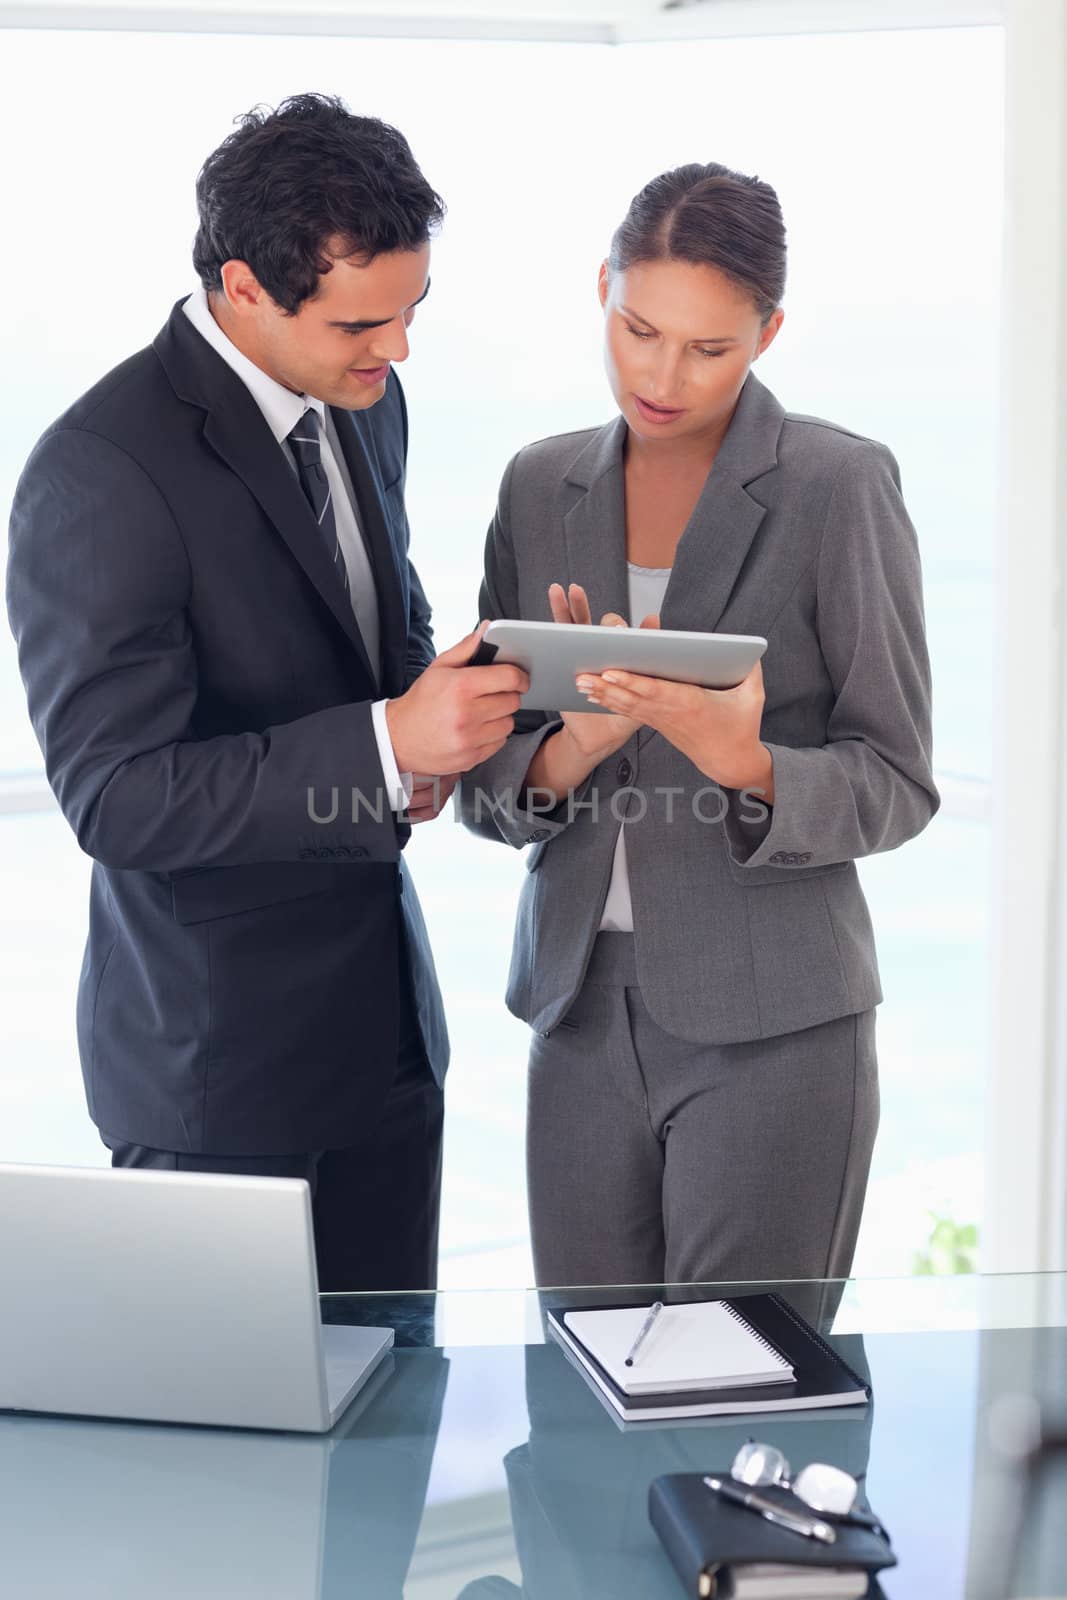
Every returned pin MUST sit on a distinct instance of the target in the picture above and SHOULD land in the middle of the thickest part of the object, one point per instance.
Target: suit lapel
(241, 437)
(358, 448)
(595, 525)
(235, 429)
(719, 535)
(711, 554)
(717, 539)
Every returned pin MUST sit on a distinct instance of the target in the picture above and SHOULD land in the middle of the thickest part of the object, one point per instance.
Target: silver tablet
(554, 653)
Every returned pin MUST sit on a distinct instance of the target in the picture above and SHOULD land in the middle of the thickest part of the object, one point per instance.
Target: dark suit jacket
(193, 670)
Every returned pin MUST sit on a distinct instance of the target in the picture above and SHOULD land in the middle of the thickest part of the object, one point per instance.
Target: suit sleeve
(98, 592)
(870, 787)
(490, 794)
(421, 649)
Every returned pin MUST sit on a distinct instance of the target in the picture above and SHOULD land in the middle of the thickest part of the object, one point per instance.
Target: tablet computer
(554, 653)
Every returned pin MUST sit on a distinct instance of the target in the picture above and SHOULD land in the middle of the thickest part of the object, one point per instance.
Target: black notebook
(707, 1358)
(727, 1552)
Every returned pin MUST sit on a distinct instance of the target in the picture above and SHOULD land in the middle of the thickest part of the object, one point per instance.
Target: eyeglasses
(824, 1488)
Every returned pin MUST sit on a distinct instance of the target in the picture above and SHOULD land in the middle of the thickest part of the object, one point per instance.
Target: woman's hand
(718, 729)
(592, 733)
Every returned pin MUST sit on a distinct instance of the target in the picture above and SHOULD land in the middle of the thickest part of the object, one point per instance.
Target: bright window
(886, 152)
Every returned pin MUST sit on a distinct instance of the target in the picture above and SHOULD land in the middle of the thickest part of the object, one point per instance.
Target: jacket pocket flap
(224, 891)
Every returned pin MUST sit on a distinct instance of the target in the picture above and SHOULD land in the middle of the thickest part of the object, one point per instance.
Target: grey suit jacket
(746, 926)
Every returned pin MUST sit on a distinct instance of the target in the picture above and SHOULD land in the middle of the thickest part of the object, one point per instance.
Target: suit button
(538, 836)
(624, 771)
(307, 855)
(358, 853)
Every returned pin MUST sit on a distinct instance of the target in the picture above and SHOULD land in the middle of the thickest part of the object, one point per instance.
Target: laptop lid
(169, 1297)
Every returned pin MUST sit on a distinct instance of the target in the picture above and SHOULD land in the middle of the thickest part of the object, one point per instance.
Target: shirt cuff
(397, 788)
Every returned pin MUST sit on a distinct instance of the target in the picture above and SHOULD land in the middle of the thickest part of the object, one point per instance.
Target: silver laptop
(170, 1297)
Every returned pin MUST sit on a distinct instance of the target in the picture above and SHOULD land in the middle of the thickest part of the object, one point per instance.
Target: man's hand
(454, 716)
(429, 796)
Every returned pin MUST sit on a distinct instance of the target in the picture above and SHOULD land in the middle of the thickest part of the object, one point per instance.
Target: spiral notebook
(706, 1358)
(706, 1344)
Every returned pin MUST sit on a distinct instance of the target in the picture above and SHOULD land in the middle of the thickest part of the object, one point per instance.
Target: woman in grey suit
(693, 950)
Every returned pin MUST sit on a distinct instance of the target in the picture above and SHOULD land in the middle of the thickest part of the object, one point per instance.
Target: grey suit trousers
(653, 1159)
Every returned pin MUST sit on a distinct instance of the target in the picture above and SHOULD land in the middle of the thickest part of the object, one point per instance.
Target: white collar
(279, 405)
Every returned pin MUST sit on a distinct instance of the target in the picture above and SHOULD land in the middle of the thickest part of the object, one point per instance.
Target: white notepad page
(775, 1582)
(699, 1345)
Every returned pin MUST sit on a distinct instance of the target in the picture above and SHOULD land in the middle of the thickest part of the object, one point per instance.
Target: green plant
(951, 1247)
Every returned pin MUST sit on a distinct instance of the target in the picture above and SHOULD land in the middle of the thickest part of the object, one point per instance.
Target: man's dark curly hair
(286, 182)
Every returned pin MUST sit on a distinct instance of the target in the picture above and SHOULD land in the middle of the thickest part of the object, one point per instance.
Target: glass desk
(480, 1466)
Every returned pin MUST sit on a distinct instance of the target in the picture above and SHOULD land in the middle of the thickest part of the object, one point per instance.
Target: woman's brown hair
(712, 217)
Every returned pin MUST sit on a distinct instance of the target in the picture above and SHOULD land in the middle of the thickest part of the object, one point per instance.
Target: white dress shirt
(282, 410)
(647, 587)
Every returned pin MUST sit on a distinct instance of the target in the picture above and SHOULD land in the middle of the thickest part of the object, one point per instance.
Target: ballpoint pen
(795, 1521)
(653, 1313)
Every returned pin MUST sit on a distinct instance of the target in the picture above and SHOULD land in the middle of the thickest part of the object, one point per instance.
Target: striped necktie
(305, 442)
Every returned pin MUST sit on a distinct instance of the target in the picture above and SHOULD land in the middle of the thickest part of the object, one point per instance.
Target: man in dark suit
(229, 666)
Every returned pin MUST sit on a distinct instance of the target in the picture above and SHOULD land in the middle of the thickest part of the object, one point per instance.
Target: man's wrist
(393, 715)
(398, 783)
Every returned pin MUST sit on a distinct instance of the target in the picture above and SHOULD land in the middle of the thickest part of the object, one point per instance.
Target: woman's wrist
(561, 764)
(751, 769)
(588, 756)
(754, 774)
(555, 769)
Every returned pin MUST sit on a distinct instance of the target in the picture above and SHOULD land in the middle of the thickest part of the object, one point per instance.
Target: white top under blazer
(647, 587)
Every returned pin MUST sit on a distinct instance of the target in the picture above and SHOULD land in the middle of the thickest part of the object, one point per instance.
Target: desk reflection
(516, 1482)
(578, 1487)
(113, 1511)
